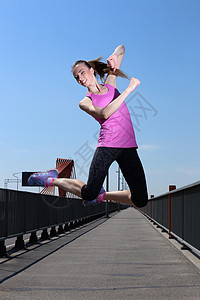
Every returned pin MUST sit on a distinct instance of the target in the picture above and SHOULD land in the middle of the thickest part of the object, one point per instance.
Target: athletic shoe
(40, 178)
(97, 200)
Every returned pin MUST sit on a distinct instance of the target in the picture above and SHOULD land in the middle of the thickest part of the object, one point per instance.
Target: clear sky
(40, 117)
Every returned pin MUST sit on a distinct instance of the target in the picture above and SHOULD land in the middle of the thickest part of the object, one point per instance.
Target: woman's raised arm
(114, 61)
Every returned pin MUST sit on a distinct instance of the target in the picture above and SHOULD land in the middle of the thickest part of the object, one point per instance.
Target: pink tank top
(117, 131)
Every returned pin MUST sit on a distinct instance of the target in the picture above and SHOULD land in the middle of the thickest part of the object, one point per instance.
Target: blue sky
(40, 118)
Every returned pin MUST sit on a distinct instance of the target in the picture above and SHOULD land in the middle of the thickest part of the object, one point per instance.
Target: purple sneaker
(97, 200)
(40, 178)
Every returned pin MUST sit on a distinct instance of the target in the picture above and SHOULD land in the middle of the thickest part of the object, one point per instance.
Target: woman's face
(83, 74)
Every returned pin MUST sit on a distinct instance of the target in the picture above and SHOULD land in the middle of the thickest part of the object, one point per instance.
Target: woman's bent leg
(101, 162)
(132, 169)
(119, 196)
(73, 186)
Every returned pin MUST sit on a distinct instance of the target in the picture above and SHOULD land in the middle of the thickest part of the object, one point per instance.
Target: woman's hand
(112, 62)
(134, 82)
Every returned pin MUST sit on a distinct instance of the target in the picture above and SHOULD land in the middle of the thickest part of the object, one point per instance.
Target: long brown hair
(100, 68)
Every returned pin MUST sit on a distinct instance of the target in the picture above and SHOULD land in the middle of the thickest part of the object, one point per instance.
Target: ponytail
(100, 68)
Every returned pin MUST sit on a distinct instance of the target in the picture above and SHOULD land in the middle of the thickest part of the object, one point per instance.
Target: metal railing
(25, 212)
(178, 213)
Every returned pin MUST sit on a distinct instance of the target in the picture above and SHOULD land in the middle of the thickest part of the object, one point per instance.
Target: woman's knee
(89, 194)
(140, 200)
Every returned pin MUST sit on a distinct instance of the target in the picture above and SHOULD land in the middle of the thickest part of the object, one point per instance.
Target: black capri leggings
(131, 167)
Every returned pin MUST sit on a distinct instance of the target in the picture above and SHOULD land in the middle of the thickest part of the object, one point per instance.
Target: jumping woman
(116, 139)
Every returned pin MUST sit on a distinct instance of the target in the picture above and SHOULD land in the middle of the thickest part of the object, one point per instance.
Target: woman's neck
(96, 88)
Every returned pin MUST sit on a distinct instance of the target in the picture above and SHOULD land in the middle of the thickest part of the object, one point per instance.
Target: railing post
(19, 244)
(171, 188)
(3, 249)
(118, 204)
(107, 189)
(45, 235)
(53, 231)
(33, 238)
(66, 227)
(151, 206)
(60, 229)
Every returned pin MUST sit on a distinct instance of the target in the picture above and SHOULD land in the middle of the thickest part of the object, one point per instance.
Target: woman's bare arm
(114, 62)
(112, 107)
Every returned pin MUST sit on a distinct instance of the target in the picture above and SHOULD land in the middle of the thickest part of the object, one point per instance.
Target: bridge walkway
(122, 257)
